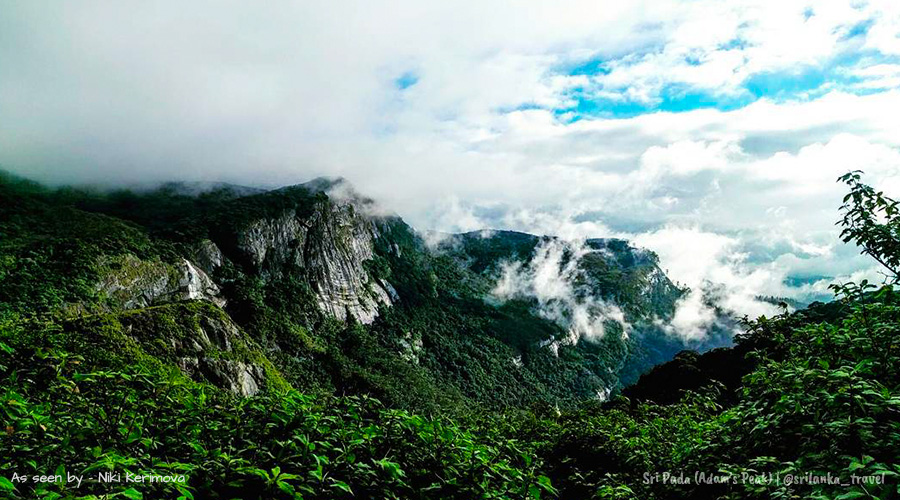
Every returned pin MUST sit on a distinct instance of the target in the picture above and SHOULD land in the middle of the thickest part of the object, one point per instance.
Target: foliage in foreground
(823, 398)
(61, 417)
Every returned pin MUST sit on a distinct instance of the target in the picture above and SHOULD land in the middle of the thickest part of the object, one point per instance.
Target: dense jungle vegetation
(86, 390)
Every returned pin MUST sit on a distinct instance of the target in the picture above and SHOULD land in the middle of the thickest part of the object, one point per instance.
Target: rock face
(130, 283)
(208, 256)
(217, 337)
(271, 244)
(330, 248)
(326, 244)
(240, 378)
(202, 341)
(194, 284)
(339, 243)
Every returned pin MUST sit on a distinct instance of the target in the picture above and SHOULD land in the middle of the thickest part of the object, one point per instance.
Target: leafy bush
(61, 415)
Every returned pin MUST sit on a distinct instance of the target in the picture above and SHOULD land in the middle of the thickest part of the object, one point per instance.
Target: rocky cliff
(197, 337)
(329, 248)
(128, 282)
(298, 232)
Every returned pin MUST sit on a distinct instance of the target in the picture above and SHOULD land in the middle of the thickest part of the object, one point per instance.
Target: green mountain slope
(341, 298)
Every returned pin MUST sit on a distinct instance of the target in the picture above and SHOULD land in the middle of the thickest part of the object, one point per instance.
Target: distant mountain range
(314, 286)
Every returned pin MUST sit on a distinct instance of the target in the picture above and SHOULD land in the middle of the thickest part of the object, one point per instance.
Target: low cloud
(692, 317)
(549, 278)
(715, 269)
(495, 129)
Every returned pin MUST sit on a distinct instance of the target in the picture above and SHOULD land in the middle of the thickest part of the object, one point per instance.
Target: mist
(549, 278)
(651, 124)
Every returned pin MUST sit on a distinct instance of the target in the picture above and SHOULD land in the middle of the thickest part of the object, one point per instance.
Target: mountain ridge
(302, 267)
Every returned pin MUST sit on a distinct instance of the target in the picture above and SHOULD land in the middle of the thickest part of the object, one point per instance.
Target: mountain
(325, 292)
(227, 344)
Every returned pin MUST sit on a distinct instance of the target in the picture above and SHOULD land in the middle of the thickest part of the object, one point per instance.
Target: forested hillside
(300, 344)
(341, 298)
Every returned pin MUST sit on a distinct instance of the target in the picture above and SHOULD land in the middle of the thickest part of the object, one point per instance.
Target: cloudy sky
(709, 131)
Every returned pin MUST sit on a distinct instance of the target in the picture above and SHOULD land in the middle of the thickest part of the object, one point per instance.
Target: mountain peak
(325, 184)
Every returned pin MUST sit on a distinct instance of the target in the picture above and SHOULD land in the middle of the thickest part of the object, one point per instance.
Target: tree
(872, 221)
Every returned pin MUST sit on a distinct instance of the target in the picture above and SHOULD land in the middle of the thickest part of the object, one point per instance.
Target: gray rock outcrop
(202, 341)
(208, 256)
(330, 248)
(242, 379)
(129, 283)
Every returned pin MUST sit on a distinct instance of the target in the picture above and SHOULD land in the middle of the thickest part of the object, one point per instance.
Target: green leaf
(131, 494)
(285, 487)
(185, 493)
(6, 484)
(851, 495)
(544, 482)
(343, 486)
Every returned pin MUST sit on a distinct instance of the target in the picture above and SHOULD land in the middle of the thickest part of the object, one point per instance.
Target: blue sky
(709, 131)
(593, 98)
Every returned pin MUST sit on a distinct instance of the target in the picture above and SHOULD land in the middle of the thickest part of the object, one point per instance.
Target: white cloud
(692, 317)
(699, 259)
(883, 35)
(687, 157)
(114, 92)
(549, 278)
(717, 46)
(877, 76)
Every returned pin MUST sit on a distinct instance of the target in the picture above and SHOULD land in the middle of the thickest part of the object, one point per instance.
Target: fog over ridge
(714, 140)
